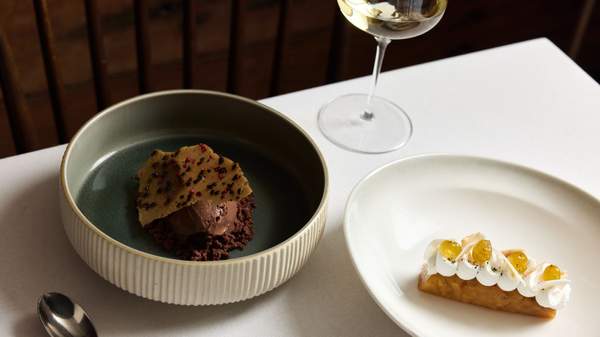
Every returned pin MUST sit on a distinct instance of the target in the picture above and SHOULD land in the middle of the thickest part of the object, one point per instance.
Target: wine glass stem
(382, 43)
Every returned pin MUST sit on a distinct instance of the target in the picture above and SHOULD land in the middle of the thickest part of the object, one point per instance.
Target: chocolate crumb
(206, 247)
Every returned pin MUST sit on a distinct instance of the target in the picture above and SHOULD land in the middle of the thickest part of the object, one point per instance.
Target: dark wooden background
(255, 48)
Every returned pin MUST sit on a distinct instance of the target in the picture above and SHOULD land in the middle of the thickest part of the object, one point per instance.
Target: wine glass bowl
(393, 19)
(364, 122)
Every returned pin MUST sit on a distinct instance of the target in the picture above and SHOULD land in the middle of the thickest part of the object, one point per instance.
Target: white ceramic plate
(394, 212)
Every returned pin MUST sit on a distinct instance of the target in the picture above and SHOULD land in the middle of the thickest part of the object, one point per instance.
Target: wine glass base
(341, 121)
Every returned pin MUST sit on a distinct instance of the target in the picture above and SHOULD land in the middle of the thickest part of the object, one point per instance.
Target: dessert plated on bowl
(193, 197)
(195, 203)
(406, 227)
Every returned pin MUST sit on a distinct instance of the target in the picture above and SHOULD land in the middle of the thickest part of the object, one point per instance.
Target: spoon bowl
(63, 318)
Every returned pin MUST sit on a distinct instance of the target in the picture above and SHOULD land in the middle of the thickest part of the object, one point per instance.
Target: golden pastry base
(473, 292)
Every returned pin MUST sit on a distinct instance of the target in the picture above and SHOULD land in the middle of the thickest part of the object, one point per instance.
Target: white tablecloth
(527, 103)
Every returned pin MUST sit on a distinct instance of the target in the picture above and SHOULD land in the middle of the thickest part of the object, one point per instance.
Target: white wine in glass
(365, 122)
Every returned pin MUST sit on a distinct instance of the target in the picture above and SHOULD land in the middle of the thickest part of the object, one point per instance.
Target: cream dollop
(444, 266)
(552, 294)
(510, 278)
(466, 270)
(436, 263)
(555, 297)
(489, 273)
(528, 287)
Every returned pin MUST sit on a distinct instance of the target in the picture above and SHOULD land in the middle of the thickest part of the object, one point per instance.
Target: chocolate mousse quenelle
(195, 203)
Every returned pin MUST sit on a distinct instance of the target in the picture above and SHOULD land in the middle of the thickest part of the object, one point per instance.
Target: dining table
(526, 103)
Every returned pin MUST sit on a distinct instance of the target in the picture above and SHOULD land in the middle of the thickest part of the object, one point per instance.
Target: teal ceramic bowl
(98, 189)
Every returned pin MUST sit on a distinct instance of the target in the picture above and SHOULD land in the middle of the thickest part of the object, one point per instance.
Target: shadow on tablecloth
(331, 287)
(28, 326)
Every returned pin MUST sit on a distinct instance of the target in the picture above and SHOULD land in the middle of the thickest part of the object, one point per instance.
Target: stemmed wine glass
(369, 123)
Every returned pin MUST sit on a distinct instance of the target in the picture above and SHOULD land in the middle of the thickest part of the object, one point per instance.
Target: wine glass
(369, 123)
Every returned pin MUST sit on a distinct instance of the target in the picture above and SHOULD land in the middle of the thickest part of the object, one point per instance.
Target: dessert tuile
(170, 181)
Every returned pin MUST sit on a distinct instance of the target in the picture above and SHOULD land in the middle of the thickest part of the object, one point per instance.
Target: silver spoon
(63, 318)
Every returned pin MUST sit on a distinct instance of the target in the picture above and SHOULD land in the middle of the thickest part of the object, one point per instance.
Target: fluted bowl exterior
(187, 282)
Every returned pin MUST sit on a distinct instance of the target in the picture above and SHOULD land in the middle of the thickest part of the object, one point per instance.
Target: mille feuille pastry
(474, 272)
(195, 203)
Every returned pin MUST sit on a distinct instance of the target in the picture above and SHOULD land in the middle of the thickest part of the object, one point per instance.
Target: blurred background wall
(255, 48)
